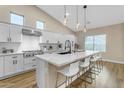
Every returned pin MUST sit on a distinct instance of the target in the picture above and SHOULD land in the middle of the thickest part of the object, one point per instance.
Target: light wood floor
(112, 76)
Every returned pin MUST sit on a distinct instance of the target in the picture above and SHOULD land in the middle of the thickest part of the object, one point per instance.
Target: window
(96, 42)
(40, 25)
(17, 19)
(89, 43)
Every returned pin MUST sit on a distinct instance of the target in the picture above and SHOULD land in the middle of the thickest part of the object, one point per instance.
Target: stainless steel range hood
(31, 32)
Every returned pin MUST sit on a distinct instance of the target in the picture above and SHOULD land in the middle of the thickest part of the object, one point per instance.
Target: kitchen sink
(63, 53)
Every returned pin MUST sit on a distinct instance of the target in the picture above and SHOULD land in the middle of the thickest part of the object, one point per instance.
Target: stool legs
(56, 80)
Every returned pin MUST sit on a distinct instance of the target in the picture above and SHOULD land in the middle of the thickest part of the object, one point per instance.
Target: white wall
(29, 43)
(55, 37)
(14, 46)
(31, 14)
(115, 41)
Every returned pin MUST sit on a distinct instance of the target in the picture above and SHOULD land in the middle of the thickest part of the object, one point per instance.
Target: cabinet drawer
(29, 60)
(14, 57)
(19, 57)
(30, 66)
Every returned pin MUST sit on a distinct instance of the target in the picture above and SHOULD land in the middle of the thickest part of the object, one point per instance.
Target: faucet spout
(68, 45)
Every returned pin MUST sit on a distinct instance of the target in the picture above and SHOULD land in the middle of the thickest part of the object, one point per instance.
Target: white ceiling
(97, 15)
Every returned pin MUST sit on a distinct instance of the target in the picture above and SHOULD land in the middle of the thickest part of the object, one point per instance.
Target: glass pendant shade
(65, 21)
(85, 19)
(85, 29)
(77, 26)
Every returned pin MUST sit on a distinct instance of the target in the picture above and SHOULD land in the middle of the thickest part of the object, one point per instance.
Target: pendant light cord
(64, 11)
(85, 17)
(77, 13)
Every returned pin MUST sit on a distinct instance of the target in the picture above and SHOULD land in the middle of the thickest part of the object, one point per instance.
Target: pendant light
(65, 15)
(85, 19)
(78, 24)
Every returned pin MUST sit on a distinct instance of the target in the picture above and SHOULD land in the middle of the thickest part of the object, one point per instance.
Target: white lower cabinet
(29, 63)
(13, 64)
(1, 67)
(19, 65)
(30, 66)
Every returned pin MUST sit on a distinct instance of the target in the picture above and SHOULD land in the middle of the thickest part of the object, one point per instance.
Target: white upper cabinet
(4, 32)
(1, 66)
(10, 33)
(15, 33)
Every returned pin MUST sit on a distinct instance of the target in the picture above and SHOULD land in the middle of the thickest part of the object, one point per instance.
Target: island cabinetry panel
(1, 67)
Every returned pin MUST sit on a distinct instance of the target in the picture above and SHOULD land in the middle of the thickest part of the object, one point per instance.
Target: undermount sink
(63, 53)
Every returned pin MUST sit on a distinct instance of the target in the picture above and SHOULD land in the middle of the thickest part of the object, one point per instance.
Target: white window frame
(41, 22)
(94, 41)
(18, 15)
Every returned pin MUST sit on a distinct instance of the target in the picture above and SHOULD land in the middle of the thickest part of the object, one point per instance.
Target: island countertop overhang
(62, 60)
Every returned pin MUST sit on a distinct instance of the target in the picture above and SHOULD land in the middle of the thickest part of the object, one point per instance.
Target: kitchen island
(49, 64)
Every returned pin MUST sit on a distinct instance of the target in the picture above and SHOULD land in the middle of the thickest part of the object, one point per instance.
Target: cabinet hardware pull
(16, 61)
(33, 65)
(14, 57)
(10, 39)
(33, 59)
(13, 61)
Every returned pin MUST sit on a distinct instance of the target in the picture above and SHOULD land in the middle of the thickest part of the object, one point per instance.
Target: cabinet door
(15, 33)
(13, 64)
(19, 64)
(9, 65)
(1, 66)
(4, 32)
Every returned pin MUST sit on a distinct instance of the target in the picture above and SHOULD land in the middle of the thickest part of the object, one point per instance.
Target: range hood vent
(31, 32)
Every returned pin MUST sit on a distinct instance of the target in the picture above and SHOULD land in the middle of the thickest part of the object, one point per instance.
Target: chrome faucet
(68, 45)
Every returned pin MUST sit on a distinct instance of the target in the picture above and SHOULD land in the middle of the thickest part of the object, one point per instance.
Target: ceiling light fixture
(78, 24)
(85, 19)
(65, 16)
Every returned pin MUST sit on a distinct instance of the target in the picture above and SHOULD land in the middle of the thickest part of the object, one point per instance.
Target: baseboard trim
(113, 61)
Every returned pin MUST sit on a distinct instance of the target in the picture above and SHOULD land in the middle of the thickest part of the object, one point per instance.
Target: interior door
(4, 32)
(15, 33)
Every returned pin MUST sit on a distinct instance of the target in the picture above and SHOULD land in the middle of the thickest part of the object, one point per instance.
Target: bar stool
(94, 61)
(86, 67)
(98, 60)
(95, 66)
(69, 72)
(99, 57)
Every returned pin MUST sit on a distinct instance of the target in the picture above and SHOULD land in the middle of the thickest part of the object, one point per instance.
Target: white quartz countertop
(7, 54)
(61, 60)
